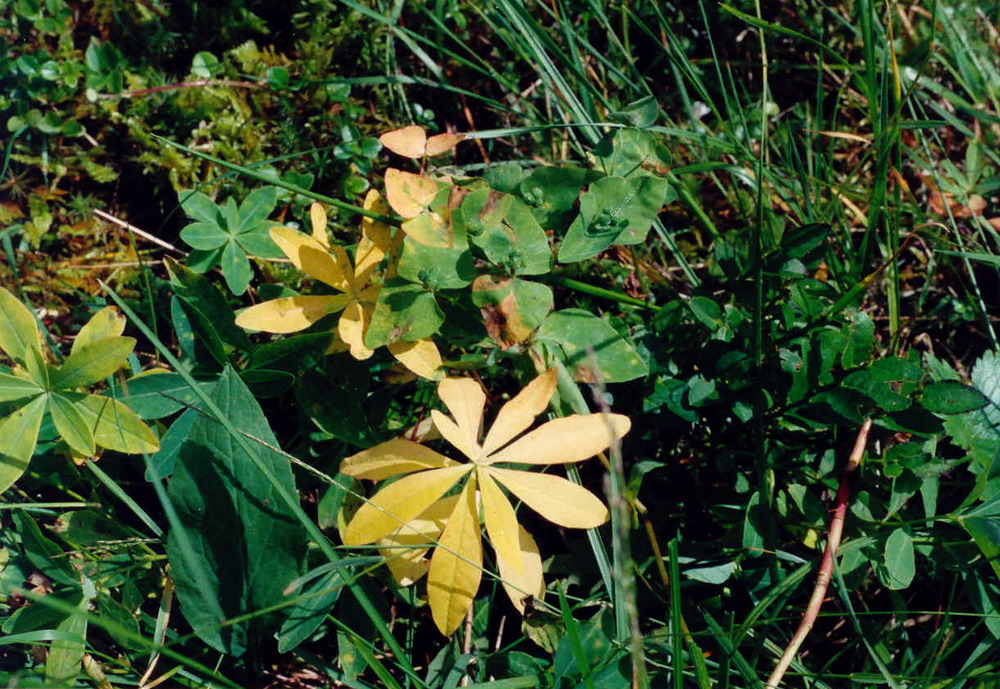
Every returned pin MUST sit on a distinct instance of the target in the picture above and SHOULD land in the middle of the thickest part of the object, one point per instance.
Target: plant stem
(826, 566)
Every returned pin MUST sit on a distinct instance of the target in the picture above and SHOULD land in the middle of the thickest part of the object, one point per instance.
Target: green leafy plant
(225, 235)
(37, 388)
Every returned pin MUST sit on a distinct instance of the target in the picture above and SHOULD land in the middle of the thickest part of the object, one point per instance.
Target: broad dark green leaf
(952, 397)
(245, 539)
(983, 524)
(550, 192)
(155, 395)
(582, 340)
(627, 152)
(291, 353)
(204, 296)
(614, 210)
(512, 308)
(332, 405)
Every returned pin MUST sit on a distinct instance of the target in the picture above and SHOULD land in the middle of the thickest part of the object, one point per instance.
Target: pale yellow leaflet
(558, 500)
(569, 439)
(393, 457)
(456, 568)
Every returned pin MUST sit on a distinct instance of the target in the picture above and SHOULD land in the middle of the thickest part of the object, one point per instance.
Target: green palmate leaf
(614, 210)
(236, 268)
(583, 341)
(219, 493)
(92, 362)
(18, 329)
(198, 206)
(108, 322)
(204, 236)
(435, 267)
(18, 435)
(115, 426)
(952, 397)
(71, 425)
(512, 308)
(13, 388)
(255, 208)
(899, 559)
(403, 312)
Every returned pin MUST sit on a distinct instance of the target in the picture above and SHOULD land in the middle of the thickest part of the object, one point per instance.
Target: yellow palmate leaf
(290, 314)
(108, 322)
(518, 414)
(391, 458)
(311, 257)
(465, 400)
(531, 581)
(570, 439)
(439, 143)
(555, 498)
(450, 431)
(409, 142)
(405, 550)
(408, 194)
(456, 566)
(351, 329)
(501, 523)
(400, 502)
(375, 240)
(317, 217)
(420, 356)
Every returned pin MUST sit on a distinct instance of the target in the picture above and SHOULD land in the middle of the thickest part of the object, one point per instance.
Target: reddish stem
(826, 566)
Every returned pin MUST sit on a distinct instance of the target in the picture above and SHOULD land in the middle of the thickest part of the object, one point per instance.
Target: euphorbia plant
(414, 510)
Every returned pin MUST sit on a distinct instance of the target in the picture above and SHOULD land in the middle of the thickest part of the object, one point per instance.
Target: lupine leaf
(290, 314)
(311, 257)
(14, 388)
(456, 568)
(71, 424)
(518, 414)
(555, 498)
(569, 439)
(18, 436)
(108, 322)
(466, 400)
(117, 427)
(92, 362)
(392, 458)
(420, 356)
(18, 329)
(400, 502)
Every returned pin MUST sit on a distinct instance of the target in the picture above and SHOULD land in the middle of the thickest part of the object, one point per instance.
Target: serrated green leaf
(70, 423)
(952, 397)
(18, 436)
(18, 329)
(91, 363)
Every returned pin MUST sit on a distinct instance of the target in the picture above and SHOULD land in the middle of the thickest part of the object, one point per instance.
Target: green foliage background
(748, 228)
